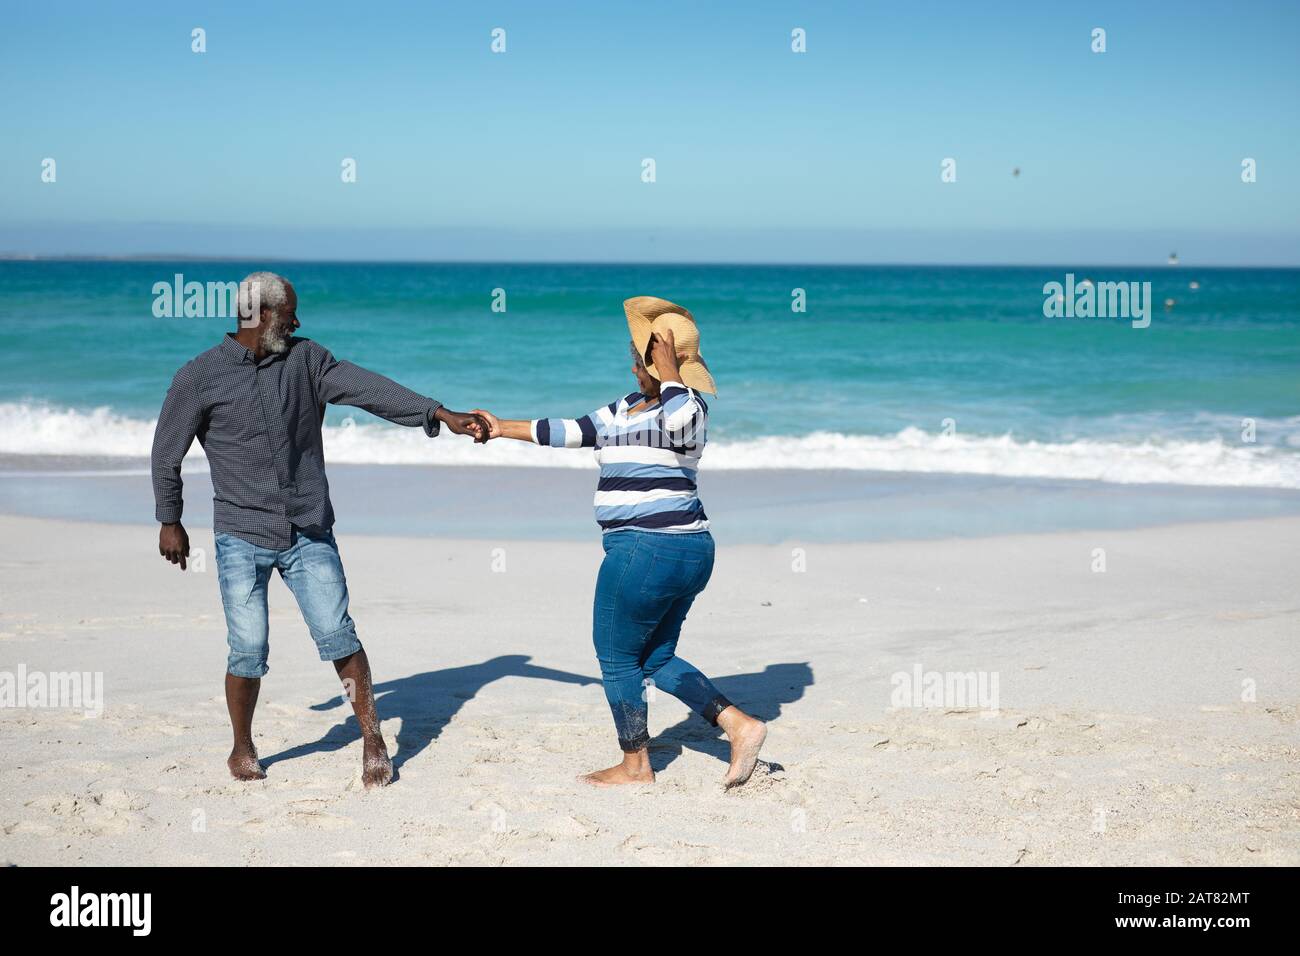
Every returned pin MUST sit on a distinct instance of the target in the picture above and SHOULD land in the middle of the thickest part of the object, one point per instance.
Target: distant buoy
(1169, 303)
(1193, 284)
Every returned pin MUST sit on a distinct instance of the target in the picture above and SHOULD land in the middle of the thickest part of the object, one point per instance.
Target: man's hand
(663, 354)
(465, 424)
(494, 423)
(174, 543)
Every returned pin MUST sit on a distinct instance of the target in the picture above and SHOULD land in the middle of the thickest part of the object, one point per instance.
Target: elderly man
(255, 403)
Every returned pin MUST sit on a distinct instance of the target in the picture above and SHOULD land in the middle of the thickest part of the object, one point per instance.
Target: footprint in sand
(29, 828)
(298, 815)
(570, 827)
(767, 778)
(111, 812)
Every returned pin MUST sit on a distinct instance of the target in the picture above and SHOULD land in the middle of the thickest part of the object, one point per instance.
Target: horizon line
(159, 257)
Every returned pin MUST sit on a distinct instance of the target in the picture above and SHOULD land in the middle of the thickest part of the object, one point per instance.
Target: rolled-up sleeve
(342, 383)
(178, 423)
(684, 412)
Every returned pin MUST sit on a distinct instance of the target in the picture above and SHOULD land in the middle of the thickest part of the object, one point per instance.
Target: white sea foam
(27, 429)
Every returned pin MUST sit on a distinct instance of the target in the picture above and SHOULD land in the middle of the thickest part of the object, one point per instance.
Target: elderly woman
(658, 550)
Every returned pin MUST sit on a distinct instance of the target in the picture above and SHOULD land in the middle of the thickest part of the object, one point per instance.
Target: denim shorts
(313, 571)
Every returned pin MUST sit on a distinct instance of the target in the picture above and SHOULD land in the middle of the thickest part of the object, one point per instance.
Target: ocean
(945, 370)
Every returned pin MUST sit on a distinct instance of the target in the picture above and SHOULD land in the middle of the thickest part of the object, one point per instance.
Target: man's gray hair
(262, 290)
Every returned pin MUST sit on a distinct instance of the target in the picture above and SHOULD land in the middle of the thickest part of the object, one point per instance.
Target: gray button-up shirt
(260, 425)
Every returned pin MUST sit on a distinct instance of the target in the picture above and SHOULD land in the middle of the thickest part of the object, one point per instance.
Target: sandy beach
(971, 341)
(1146, 714)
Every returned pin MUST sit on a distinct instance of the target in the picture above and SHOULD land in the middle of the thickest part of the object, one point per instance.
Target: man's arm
(343, 383)
(178, 423)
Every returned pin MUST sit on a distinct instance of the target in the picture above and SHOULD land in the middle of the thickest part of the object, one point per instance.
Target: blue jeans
(314, 573)
(646, 584)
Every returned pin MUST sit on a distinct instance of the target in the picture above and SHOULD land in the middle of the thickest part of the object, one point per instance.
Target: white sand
(1122, 738)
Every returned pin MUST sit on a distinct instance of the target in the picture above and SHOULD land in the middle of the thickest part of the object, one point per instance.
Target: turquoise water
(864, 379)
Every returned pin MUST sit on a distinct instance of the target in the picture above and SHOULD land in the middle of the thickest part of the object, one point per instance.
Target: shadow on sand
(425, 703)
(761, 695)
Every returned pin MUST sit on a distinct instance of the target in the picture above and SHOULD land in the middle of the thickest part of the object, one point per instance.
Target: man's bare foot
(241, 700)
(376, 768)
(746, 734)
(635, 768)
(244, 765)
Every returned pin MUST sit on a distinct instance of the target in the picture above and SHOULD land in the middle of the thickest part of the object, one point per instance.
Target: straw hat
(647, 314)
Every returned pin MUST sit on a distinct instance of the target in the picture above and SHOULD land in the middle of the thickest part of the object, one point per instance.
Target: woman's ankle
(732, 718)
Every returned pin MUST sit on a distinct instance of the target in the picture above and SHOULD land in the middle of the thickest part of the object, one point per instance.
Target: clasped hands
(483, 425)
(472, 423)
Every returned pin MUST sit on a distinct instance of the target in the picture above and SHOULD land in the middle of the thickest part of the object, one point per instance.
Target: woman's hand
(494, 423)
(663, 353)
(518, 429)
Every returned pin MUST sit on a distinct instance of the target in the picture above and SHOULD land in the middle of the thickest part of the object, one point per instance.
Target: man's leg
(314, 573)
(244, 570)
(354, 672)
(241, 698)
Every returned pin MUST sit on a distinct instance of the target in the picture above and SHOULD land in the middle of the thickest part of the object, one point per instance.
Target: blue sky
(761, 153)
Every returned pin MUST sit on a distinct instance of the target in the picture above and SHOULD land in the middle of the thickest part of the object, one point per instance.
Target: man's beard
(275, 337)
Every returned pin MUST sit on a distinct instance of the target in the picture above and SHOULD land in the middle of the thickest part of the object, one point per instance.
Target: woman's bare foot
(376, 768)
(635, 768)
(746, 734)
(244, 765)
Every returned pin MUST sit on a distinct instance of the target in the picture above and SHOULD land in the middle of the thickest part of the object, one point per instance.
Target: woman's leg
(619, 638)
(664, 670)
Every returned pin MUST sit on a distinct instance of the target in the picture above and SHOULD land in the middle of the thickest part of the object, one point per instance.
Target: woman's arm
(506, 427)
(685, 414)
(555, 432)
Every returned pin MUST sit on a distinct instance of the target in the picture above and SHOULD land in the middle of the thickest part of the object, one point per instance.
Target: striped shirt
(648, 458)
